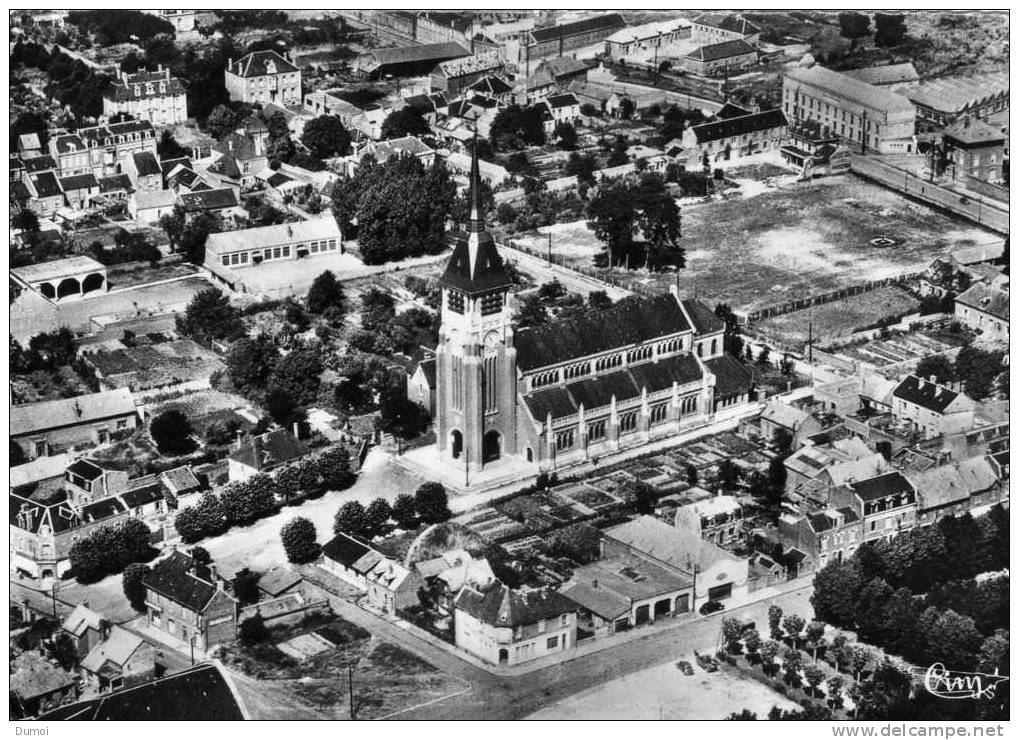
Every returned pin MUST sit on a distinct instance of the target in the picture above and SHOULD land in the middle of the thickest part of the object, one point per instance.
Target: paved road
(497, 697)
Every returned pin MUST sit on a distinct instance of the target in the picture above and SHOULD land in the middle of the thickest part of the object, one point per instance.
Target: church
(571, 390)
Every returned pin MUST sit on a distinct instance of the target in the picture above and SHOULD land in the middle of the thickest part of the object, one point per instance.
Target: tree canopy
(515, 127)
(326, 137)
(404, 122)
(209, 316)
(620, 209)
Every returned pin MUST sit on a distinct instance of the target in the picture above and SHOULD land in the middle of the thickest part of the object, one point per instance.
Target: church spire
(477, 215)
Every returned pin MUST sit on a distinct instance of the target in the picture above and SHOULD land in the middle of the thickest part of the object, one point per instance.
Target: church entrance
(456, 443)
(490, 447)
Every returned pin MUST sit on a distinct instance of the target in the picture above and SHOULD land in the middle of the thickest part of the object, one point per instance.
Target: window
(659, 413)
(627, 422)
(491, 303)
(605, 363)
(564, 620)
(541, 625)
(688, 405)
(564, 440)
(576, 371)
(286, 251)
(638, 354)
(552, 643)
(596, 431)
(490, 383)
(332, 244)
(546, 378)
(122, 424)
(455, 301)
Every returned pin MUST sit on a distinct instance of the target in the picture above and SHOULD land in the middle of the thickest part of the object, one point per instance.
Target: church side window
(491, 303)
(458, 382)
(564, 440)
(596, 430)
(547, 378)
(491, 384)
(688, 405)
(627, 422)
(577, 371)
(659, 413)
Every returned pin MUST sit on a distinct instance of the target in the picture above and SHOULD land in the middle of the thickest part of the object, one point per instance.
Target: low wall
(830, 296)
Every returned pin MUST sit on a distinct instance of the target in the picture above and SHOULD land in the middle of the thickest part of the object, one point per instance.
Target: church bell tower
(476, 371)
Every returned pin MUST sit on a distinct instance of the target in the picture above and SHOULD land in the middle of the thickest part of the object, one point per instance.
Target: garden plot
(154, 364)
(898, 349)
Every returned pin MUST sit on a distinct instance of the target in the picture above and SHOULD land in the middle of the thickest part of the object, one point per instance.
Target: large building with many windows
(290, 241)
(150, 96)
(870, 117)
(570, 390)
(264, 77)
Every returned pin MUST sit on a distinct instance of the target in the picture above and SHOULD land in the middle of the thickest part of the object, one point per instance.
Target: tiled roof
(81, 619)
(345, 549)
(704, 319)
(200, 693)
(419, 53)
(32, 676)
(500, 606)
(154, 199)
(562, 66)
(822, 521)
(277, 580)
(257, 64)
(39, 164)
(321, 227)
(973, 131)
(492, 84)
(141, 496)
(117, 649)
(849, 89)
(240, 146)
(731, 110)
(954, 94)
(888, 484)
(931, 396)
(269, 450)
(170, 577)
(212, 199)
(609, 587)
(35, 417)
(115, 182)
(146, 164)
(954, 482)
(46, 185)
(119, 91)
(782, 414)
(489, 60)
(647, 31)
(428, 370)
(678, 547)
(564, 100)
(79, 182)
(721, 50)
(731, 377)
(180, 479)
(986, 298)
(886, 74)
(727, 22)
(624, 324)
(716, 130)
(608, 22)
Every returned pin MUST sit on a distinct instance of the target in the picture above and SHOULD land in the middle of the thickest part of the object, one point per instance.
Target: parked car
(684, 665)
(706, 662)
(710, 607)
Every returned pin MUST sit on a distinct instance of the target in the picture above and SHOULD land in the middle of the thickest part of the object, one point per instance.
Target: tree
(581, 166)
(221, 120)
(618, 155)
(134, 589)
(189, 524)
(209, 316)
(834, 686)
(299, 540)
(793, 625)
(171, 431)
(815, 635)
(744, 715)
(515, 127)
(858, 660)
(377, 515)
(890, 29)
(764, 356)
(854, 26)
(253, 630)
(26, 220)
(251, 362)
(333, 466)
(298, 375)
(326, 137)
(814, 676)
(626, 109)
(732, 631)
(792, 662)
(405, 122)
(200, 555)
(431, 503)
(769, 651)
(400, 416)
(598, 300)
(325, 292)
(405, 511)
(566, 135)
(774, 621)
(169, 148)
(352, 519)
(938, 366)
(836, 587)
(245, 586)
(531, 311)
(753, 642)
(954, 640)
(620, 208)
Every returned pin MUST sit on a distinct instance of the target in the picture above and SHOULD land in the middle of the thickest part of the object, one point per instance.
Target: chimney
(212, 574)
(297, 430)
(229, 62)
(933, 379)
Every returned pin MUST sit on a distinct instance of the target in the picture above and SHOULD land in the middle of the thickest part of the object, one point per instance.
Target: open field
(663, 692)
(792, 240)
(140, 273)
(838, 318)
(154, 364)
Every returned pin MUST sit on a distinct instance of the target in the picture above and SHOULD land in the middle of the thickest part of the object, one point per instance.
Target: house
(179, 486)
(389, 585)
(974, 149)
(37, 686)
(491, 173)
(955, 488)
(243, 155)
(887, 75)
(214, 200)
(445, 575)
(45, 427)
(455, 76)
(421, 385)
(440, 26)
(718, 575)
(29, 145)
(719, 519)
(619, 593)
(814, 471)
(713, 28)
(886, 504)
(263, 453)
(382, 151)
(468, 116)
(152, 96)
(560, 72)
(202, 693)
(829, 535)
(79, 190)
(430, 106)
(558, 40)
(149, 207)
(861, 115)
(984, 308)
(561, 108)
(729, 139)
(931, 409)
(503, 626)
(941, 101)
(277, 582)
(290, 241)
(101, 150)
(115, 187)
(647, 36)
(492, 86)
(779, 416)
(121, 659)
(188, 601)
(263, 77)
(46, 195)
(722, 57)
(145, 172)
(86, 628)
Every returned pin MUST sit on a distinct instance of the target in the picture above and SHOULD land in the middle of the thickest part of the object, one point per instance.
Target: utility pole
(550, 247)
(467, 465)
(53, 594)
(350, 686)
(192, 643)
(810, 341)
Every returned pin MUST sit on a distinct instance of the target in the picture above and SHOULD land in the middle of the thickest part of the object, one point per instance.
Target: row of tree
(978, 370)
(76, 85)
(428, 505)
(245, 502)
(109, 548)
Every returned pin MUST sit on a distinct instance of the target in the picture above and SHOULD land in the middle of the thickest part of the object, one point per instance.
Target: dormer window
(270, 67)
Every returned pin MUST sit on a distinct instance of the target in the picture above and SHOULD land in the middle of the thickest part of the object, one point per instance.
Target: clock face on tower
(492, 340)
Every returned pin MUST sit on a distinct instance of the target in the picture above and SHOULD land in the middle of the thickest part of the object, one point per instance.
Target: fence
(605, 278)
(284, 610)
(832, 295)
(976, 209)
